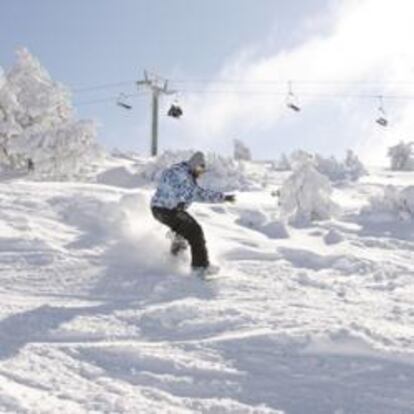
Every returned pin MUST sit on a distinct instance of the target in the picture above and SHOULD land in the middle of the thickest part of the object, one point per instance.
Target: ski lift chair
(175, 110)
(381, 120)
(292, 101)
(122, 101)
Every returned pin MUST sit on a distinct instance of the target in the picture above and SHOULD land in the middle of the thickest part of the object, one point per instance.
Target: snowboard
(209, 277)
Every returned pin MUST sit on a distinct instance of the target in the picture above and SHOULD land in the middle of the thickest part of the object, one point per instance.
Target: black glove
(230, 198)
(180, 206)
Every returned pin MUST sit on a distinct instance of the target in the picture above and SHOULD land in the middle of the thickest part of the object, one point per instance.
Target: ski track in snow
(96, 318)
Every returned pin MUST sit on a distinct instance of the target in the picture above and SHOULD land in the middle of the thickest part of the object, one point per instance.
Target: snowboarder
(176, 191)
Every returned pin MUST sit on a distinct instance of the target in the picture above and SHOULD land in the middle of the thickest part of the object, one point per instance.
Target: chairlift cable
(102, 86)
(304, 94)
(245, 82)
(108, 99)
(268, 94)
(293, 80)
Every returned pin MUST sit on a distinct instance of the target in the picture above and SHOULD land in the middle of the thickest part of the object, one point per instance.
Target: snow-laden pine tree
(37, 123)
(330, 167)
(402, 157)
(393, 202)
(241, 151)
(306, 195)
(282, 163)
(354, 166)
(349, 169)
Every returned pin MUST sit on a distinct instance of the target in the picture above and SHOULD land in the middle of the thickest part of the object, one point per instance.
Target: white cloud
(370, 41)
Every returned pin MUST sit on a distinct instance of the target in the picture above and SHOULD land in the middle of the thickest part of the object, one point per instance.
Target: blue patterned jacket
(178, 188)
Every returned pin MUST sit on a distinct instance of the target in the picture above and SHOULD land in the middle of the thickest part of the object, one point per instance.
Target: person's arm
(208, 196)
(187, 190)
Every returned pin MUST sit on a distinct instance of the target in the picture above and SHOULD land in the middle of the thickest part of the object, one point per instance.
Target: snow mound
(252, 218)
(120, 177)
(275, 230)
(340, 342)
(333, 237)
(259, 221)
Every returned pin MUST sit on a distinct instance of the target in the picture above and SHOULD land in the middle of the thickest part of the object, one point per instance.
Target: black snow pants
(185, 225)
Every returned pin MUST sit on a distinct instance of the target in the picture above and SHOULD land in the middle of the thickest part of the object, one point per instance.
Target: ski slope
(95, 317)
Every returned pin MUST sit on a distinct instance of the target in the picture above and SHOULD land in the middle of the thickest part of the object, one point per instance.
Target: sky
(230, 62)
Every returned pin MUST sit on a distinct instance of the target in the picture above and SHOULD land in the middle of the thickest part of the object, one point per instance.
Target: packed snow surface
(95, 317)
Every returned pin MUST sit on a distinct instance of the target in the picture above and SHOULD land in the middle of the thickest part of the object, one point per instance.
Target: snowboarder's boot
(205, 272)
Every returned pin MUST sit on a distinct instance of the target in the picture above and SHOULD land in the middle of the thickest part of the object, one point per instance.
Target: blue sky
(85, 43)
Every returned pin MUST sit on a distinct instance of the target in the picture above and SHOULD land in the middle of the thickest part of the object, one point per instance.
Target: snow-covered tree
(402, 157)
(330, 167)
(349, 169)
(355, 168)
(393, 202)
(37, 122)
(281, 164)
(241, 152)
(306, 195)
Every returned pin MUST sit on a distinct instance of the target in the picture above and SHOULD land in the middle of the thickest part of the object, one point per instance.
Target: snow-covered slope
(95, 317)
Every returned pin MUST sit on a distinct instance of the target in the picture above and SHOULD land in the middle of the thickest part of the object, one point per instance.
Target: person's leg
(186, 226)
(190, 229)
(178, 244)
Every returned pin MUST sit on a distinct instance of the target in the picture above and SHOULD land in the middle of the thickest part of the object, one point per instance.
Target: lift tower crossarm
(158, 87)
